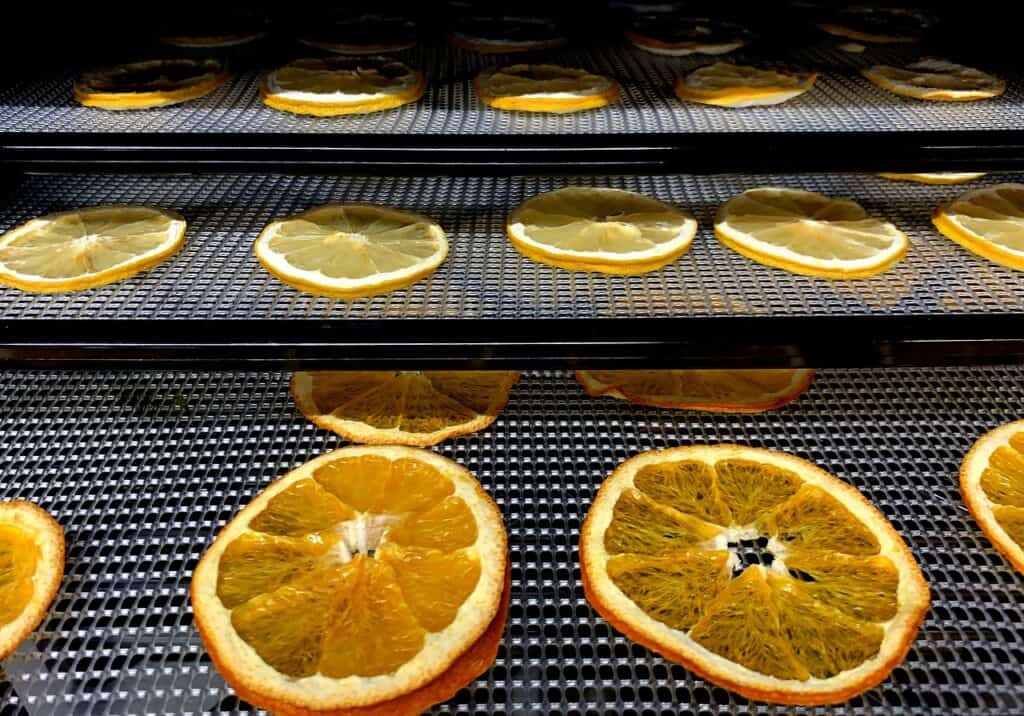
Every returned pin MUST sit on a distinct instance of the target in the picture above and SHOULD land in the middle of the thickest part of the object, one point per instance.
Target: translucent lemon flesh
(995, 215)
(19, 556)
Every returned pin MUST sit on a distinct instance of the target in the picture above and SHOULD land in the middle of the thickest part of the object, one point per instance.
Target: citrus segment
(544, 88)
(751, 487)
(862, 587)
(258, 563)
(936, 80)
(643, 526)
(689, 486)
(434, 583)
(988, 222)
(934, 177)
(814, 518)
(377, 485)
(303, 508)
(153, 83)
(728, 85)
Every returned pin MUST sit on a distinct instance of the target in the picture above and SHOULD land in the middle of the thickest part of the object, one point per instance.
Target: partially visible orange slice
(936, 80)
(154, 83)
(726, 85)
(686, 36)
(934, 177)
(545, 88)
(501, 33)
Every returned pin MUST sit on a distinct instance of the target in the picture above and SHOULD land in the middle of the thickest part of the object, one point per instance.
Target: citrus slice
(878, 25)
(369, 576)
(154, 83)
(31, 567)
(727, 85)
(686, 36)
(936, 80)
(988, 222)
(363, 34)
(402, 407)
(755, 569)
(809, 234)
(342, 85)
(545, 88)
(935, 177)
(85, 248)
(213, 41)
(604, 230)
(727, 391)
(506, 34)
(351, 250)
(992, 485)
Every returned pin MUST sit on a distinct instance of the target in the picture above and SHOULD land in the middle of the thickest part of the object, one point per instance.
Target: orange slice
(934, 177)
(505, 34)
(756, 570)
(936, 80)
(988, 222)
(363, 34)
(403, 407)
(545, 88)
(686, 36)
(879, 25)
(726, 391)
(369, 578)
(31, 567)
(154, 83)
(727, 85)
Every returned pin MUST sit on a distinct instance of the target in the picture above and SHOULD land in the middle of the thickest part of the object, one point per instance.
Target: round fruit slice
(506, 34)
(605, 230)
(686, 36)
(154, 83)
(351, 250)
(936, 80)
(809, 234)
(371, 576)
(755, 569)
(935, 178)
(726, 85)
(726, 391)
(342, 85)
(545, 88)
(365, 34)
(403, 407)
(85, 248)
(878, 25)
(213, 41)
(992, 484)
(988, 222)
(31, 567)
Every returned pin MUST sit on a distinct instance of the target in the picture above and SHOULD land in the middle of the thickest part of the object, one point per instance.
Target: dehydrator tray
(142, 469)
(214, 302)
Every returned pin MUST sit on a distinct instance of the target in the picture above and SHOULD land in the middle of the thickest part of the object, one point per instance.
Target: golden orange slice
(988, 222)
(545, 88)
(685, 36)
(154, 83)
(936, 80)
(992, 485)
(505, 33)
(726, 85)
(934, 177)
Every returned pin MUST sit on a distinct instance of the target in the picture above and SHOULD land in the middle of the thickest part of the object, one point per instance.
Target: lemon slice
(727, 391)
(728, 85)
(755, 569)
(992, 485)
(936, 80)
(362, 35)
(361, 578)
(604, 230)
(809, 234)
(342, 85)
(506, 34)
(403, 407)
(686, 36)
(351, 250)
(988, 222)
(85, 248)
(213, 41)
(878, 25)
(154, 83)
(31, 567)
(935, 177)
(545, 88)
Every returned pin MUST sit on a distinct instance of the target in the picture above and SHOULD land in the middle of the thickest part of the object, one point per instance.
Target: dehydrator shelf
(845, 123)
(213, 303)
(142, 469)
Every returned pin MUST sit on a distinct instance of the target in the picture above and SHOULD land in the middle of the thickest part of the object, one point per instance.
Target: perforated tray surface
(143, 469)
(841, 100)
(216, 275)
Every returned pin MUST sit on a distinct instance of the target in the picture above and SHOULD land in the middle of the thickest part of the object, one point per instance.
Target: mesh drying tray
(142, 469)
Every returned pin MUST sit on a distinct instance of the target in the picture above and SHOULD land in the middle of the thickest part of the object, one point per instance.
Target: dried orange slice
(333, 86)
(505, 34)
(992, 485)
(154, 83)
(686, 36)
(755, 569)
(363, 34)
(878, 25)
(604, 230)
(85, 248)
(727, 391)
(403, 407)
(360, 579)
(545, 88)
(934, 177)
(31, 567)
(351, 250)
(936, 80)
(810, 234)
(988, 222)
(727, 85)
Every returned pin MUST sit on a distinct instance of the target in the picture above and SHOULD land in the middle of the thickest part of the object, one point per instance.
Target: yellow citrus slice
(727, 391)
(810, 234)
(755, 569)
(506, 34)
(363, 34)
(31, 567)
(342, 85)
(992, 485)
(686, 36)
(359, 579)
(403, 407)
(604, 230)
(154, 83)
(934, 177)
(545, 88)
(727, 85)
(936, 80)
(988, 222)
(85, 248)
(351, 250)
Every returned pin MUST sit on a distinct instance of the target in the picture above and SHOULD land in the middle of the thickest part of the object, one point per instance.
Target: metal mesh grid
(841, 100)
(143, 469)
(216, 275)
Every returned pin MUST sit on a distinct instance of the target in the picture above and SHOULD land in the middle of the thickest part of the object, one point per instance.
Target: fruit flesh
(19, 556)
(1002, 481)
